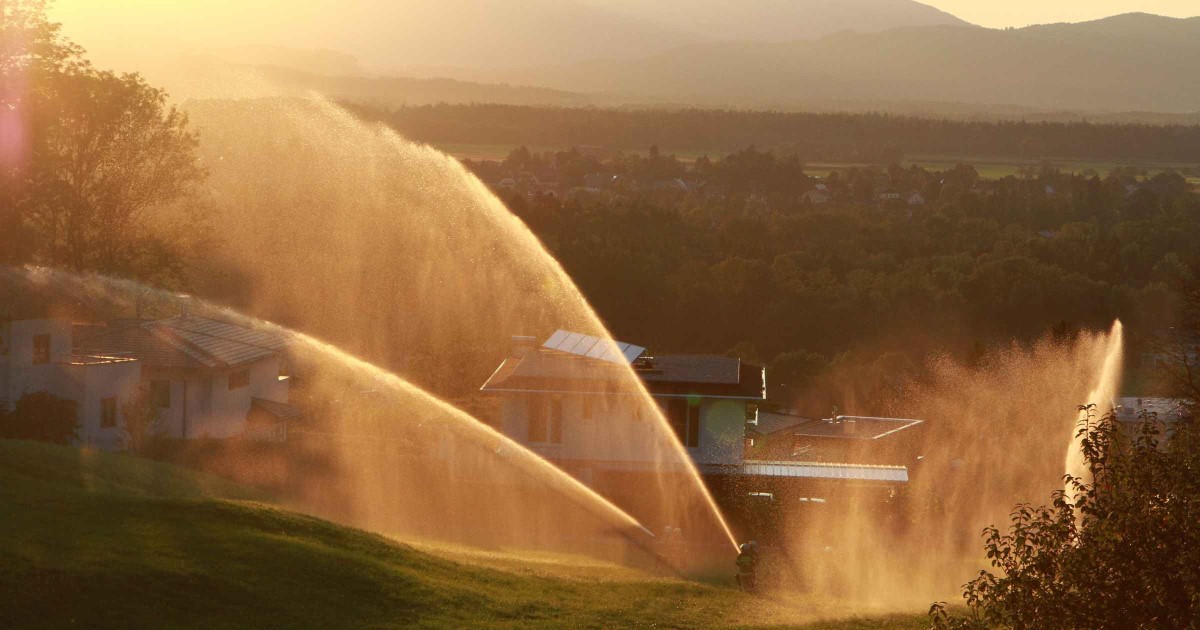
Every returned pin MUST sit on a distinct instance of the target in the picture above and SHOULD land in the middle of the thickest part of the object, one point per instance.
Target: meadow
(111, 540)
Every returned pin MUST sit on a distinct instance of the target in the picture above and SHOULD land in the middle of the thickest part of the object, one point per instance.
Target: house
(915, 199)
(37, 355)
(889, 196)
(1129, 412)
(818, 197)
(596, 182)
(849, 441)
(556, 398)
(208, 378)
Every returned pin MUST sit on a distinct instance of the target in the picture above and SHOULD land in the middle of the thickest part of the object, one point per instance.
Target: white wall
(91, 384)
(23, 376)
(613, 433)
(85, 383)
(227, 414)
(722, 432)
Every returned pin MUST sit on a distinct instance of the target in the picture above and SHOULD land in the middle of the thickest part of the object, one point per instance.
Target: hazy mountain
(461, 37)
(784, 20)
(471, 35)
(1127, 62)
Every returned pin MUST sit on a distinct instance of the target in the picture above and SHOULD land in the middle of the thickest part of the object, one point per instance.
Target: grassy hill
(103, 540)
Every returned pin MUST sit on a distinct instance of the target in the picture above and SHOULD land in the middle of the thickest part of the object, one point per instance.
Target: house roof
(184, 342)
(855, 427)
(770, 422)
(542, 369)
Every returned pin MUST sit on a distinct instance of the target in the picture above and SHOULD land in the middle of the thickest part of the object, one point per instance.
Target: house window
(556, 420)
(537, 420)
(239, 379)
(108, 413)
(684, 417)
(41, 349)
(160, 394)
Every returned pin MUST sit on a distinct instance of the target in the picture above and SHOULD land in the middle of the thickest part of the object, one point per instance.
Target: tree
(42, 417)
(91, 154)
(1125, 553)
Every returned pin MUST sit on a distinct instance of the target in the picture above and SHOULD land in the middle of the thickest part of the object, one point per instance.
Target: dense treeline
(763, 269)
(842, 137)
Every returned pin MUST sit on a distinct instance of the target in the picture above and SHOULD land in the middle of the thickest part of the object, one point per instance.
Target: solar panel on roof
(593, 347)
(557, 338)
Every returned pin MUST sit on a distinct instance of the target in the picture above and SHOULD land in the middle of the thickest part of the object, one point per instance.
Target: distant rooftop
(603, 369)
(841, 427)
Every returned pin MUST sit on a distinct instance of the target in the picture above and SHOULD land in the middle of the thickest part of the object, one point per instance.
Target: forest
(739, 257)
(846, 137)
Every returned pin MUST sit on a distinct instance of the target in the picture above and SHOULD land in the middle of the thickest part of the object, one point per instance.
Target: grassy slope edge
(103, 540)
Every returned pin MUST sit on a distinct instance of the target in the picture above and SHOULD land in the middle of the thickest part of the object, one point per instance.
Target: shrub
(42, 417)
(1124, 554)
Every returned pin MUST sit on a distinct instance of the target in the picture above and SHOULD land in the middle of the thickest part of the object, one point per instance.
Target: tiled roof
(134, 339)
(184, 342)
(215, 342)
(695, 368)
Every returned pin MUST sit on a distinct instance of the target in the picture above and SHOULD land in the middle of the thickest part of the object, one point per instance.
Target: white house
(557, 398)
(818, 197)
(37, 356)
(565, 399)
(208, 378)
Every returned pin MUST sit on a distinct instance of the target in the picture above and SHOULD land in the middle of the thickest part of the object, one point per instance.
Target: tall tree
(89, 155)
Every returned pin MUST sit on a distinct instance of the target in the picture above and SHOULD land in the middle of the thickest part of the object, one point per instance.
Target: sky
(1005, 13)
(129, 34)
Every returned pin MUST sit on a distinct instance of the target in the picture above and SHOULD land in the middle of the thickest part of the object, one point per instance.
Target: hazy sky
(1002, 13)
(456, 32)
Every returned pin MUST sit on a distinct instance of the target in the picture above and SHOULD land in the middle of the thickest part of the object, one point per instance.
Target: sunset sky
(991, 13)
(391, 33)
(1002, 13)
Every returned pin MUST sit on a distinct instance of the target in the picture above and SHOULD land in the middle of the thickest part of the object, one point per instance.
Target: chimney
(522, 345)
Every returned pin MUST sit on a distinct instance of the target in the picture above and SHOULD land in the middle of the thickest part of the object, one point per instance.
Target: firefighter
(747, 566)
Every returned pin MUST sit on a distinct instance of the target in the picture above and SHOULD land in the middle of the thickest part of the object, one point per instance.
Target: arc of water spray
(1107, 382)
(505, 220)
(567, 485)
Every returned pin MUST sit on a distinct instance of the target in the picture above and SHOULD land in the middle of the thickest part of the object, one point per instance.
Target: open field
(105, 540)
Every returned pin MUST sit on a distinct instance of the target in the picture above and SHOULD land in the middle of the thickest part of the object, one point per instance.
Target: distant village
(591, 171)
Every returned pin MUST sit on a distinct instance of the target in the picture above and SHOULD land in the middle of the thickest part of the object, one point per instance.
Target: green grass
(102, 540)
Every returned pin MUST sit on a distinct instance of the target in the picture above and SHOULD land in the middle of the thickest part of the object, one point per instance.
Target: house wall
(213, 410)
(188, 387)
(90, 384)
(4, 365)
(85, 383)
(722, 429)
(722, 432)
(227, 415)
(23, 377)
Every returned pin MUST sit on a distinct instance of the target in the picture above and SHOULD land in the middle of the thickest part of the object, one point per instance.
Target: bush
(42, 417)
(1124, 554)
